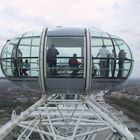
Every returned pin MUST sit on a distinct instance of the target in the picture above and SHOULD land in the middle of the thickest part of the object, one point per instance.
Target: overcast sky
(120, 17)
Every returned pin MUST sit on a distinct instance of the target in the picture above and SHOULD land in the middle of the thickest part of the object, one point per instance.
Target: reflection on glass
(114, 67)
(29, 47)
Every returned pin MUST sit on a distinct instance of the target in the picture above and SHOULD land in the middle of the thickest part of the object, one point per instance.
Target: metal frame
(41, 62)
(88, 66)
(59, 118)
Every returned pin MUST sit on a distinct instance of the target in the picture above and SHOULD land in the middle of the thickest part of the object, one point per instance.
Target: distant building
(126, 95)
(22, 99)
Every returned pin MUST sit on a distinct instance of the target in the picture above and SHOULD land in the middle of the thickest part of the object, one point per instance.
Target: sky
(119, 17)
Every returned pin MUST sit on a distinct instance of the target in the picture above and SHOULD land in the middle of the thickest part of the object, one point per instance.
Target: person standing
(103, 53)
(52, 59)
(121, 56)
(112, 56)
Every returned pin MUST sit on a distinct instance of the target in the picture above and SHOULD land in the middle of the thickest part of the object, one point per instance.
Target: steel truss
(62, 117)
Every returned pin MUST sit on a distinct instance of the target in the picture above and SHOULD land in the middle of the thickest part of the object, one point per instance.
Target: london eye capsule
(67, 60)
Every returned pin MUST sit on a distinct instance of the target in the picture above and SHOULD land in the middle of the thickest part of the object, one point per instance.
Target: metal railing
(14, 67)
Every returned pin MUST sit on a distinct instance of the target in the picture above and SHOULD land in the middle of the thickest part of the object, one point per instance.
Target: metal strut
(62, 118)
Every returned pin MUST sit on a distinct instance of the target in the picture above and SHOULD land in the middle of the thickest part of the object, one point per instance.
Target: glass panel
(114, 65)
(96, 42)
(94, 51)
(36, 41)
(14, 41)
(107, 42)
(123, 54)
(10, 49)
(25, 50)
(116, 69)
(8, 67)
(122, 68)
(30, 47)
(95, 33)
(19, 66)
(28, 67)
(95, 68)
(61, 51)
(25, 41)
(98, 33)
(127, 66)
(103, 58)
(31, 34)
(102, 68)
(104, 34)
(34, 71)
(35, 52)
(25, 47)
(122, 45)
(35, 47)
(117, 49)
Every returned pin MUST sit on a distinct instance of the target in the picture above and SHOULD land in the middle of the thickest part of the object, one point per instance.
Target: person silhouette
(112, 56)
(52, 59)
(73, 63)
(103, 52)
(26, 67)
(121, 56)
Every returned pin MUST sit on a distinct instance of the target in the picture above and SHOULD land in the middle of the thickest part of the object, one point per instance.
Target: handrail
(64, 69)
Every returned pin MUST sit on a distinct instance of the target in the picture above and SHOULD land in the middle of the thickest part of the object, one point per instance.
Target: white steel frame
(58, 118)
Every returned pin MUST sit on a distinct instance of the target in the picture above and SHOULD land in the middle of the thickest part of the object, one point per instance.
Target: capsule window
(66, 49)
(8, 58)
(123, 67)
(103, 62)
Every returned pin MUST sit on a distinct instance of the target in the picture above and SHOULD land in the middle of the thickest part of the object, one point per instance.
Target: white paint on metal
(82, 118)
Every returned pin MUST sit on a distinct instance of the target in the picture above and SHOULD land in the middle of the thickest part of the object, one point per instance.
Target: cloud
(14, 22)
(13, 16)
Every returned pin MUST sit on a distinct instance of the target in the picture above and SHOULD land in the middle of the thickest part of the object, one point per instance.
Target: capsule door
(65, 63)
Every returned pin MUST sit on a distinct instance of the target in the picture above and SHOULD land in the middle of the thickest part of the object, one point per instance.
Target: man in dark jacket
(52, 59)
